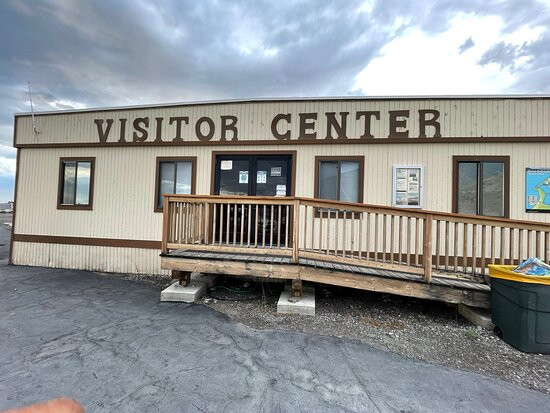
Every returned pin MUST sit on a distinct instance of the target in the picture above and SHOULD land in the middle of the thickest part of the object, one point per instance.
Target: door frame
(292, 160)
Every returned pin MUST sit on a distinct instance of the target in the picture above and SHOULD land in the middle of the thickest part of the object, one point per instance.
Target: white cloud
(272, 51)
(7, 161)
(416, 63)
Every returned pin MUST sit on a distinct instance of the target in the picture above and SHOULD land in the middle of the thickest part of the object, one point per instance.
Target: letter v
(103, 134)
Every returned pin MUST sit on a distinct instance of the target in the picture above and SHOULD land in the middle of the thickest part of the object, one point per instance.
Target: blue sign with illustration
(537, 190)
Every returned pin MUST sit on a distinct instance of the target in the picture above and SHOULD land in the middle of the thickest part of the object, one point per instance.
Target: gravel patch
(419, 329)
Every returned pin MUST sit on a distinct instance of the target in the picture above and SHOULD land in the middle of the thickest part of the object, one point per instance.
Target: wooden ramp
(443, 287)
(417, 253)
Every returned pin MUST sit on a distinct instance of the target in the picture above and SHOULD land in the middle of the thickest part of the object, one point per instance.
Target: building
(6, 207)
(90, 182)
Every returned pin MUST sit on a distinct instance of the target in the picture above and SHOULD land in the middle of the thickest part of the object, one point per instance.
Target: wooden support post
(427, 248)
(297, 288)
(184, 277)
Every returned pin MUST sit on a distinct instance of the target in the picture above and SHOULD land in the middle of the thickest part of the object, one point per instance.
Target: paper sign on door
(261, 177)
(243, 177)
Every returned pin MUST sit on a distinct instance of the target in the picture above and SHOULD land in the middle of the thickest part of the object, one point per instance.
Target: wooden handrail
(324, 203)
(350, 232)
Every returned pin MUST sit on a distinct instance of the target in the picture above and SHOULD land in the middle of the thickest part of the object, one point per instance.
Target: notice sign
(281, 190)
(261, 177)
(276, 171)
(537, 190)
(407, 186)
(226, 165)
(243, 177)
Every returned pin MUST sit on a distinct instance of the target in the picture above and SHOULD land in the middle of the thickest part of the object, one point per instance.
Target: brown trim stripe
(357, 141)
(96, 242)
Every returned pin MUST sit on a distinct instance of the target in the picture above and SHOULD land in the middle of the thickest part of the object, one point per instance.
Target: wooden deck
(425, 254)
(444, 287)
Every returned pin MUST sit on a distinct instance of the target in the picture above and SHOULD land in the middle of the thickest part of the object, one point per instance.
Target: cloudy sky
(79, 54)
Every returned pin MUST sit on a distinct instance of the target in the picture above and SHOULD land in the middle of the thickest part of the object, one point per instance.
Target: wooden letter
(306, 126)
(179, 120)
(103, 133)
(140, 133)
(332, 123)
(122, 138)
(368, 115)
(423, 122)
(398, 120)
(275, 122)
(211, 129)
(229, 123)
(158, 137)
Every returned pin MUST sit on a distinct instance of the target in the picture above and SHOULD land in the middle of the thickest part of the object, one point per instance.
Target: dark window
(76, 183)
(174, 177)
(481, 187)
(340, 180)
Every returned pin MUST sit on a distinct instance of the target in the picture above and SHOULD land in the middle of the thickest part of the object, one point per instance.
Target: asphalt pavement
(111, 345)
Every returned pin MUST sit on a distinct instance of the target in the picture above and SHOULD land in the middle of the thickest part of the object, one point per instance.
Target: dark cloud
(468, 44)
(137, 51)
(505, 54)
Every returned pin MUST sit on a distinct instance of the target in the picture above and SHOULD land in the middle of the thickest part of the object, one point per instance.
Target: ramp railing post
(295, 229)
(165, 224)
(427, 248)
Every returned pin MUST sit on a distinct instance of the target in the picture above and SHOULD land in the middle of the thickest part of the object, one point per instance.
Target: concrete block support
(187, 294)
(289, 304)
(476, 316)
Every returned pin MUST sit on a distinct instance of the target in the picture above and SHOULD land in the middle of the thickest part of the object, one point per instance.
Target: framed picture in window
(408, 184)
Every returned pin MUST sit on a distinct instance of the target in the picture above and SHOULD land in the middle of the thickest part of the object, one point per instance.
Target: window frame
(359, 159)
(479, 159)
(61, 182)
(159, 159)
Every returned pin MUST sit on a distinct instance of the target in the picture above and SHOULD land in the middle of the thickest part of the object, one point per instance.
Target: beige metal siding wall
(125, 176)
(124, 193)
(125, 182)
(459, 118)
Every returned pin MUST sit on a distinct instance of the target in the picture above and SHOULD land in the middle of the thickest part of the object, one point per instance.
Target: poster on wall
(537, 190)
(407, 186)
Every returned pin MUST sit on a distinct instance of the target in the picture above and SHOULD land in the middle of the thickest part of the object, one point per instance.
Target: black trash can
(520, 308)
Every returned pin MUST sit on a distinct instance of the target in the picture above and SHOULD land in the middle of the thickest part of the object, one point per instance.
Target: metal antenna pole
(32, 109)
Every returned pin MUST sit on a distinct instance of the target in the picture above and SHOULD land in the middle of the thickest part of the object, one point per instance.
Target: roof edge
(284, 99)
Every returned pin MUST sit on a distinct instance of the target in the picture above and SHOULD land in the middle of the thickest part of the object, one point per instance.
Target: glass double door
(252, 175)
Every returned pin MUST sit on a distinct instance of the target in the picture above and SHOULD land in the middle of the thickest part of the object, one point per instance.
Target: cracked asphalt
(111, 345)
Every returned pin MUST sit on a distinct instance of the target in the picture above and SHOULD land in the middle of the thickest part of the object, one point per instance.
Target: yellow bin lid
(505, 272)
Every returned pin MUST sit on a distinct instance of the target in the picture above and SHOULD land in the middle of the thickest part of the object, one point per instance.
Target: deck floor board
(365, 269)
